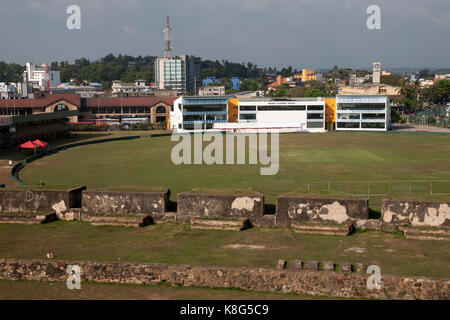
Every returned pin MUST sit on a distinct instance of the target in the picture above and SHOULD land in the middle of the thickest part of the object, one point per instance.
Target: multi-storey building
(192, 113)
(39, 76)
(181, 73)
(367, 113)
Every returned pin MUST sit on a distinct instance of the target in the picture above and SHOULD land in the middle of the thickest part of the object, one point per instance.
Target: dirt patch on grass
(244, 246)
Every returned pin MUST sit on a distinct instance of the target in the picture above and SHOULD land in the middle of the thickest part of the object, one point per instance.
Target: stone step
(132, 221)
(426, 233)
(217, 224)
(27, 218)
(324, 229)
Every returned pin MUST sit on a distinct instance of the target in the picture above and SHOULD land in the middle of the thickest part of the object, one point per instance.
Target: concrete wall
(337, 284)
(298, 208)
(220, 206)
(416, 213)
(97, 203)
(40, 201)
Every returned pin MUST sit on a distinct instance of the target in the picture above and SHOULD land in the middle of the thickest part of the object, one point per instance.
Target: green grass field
(304, 158)
(33, 290)
(178, 244)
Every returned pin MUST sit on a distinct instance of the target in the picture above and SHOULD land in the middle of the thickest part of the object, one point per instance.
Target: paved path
(421, 128)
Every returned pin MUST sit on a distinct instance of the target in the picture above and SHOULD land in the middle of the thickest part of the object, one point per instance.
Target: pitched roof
(41, 102)
(128, 102)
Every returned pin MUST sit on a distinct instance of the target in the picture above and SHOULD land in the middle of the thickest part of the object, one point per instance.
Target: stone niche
(221, 206)
(323, 210)
(416, 213)
(101, 203)
(40, 201)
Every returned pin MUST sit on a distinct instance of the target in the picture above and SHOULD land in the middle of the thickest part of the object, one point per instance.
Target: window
(315, 108)
(347, 125)
(160, 110)
(315, 116)
(61, 107)
(248, 108)
(315, 125)
(251, 116)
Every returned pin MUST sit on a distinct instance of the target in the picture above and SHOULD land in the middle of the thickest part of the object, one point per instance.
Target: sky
(299, 33)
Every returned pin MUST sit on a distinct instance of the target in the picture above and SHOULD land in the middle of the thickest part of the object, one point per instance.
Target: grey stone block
(328, 266)
(281, 265)
(296, 264)
(360, 268)
(345, 267)
(312, 265)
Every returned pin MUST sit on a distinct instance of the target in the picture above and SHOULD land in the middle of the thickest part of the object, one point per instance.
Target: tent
(29, 145)
(40, 143)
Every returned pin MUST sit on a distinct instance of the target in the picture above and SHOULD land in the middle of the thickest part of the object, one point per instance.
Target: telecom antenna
(168, 49)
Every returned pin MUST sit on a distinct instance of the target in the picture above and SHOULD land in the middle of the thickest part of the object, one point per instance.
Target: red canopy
(40, 143)
(28, 145)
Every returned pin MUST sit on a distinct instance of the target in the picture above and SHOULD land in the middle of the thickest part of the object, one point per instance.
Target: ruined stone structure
(304, 282)
(300, 208)
(40, 201)
(416, 213)
(118, 203)
(221, 206)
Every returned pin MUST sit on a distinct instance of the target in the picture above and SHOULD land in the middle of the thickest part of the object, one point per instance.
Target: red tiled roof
(128, 102)
(41, 102)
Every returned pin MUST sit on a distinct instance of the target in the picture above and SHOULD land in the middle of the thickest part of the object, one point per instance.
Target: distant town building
(385, 73)
(208, 81)
(9, 91)
(441, 77)
(291, 81)
(425, 83)
(370, 89)
(235, 83)
(212, 91)
(181, 73)
(376, 78)
(355, 80)
(308, 75)
(137, 88)
(41, 77)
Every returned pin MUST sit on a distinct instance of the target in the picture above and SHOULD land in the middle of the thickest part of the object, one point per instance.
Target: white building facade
(363, 113)
(278, 115)
(198, 113)
(39, 75)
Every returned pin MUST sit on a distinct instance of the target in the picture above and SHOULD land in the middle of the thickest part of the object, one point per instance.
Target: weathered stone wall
(221, 206)
(416, 213)
(97, 203)
(40, 201)
(335, 284)
(298, 208)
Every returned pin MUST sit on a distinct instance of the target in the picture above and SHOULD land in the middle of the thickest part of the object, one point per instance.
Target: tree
(392, 80)
(249, 85)
(315, 93)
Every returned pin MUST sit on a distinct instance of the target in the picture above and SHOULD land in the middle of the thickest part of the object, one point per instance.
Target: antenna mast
(168, 49)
